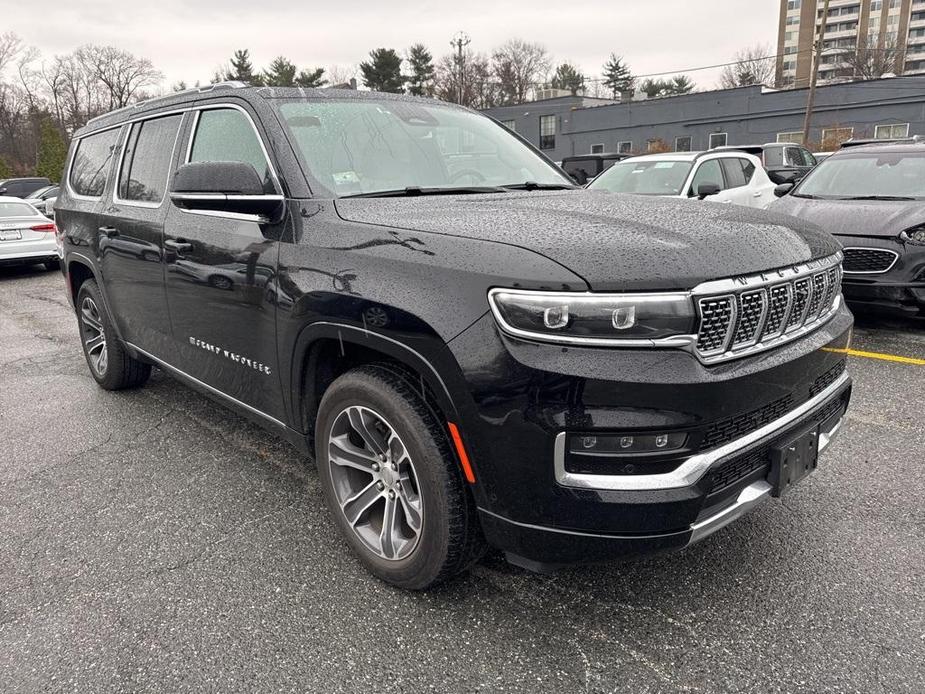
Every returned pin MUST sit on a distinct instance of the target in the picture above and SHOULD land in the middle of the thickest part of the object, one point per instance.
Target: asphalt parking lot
(152, 541)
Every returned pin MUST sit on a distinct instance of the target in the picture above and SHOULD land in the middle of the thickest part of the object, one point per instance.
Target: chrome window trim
(713, 289)
(170, 168)
(871, 248)
(695, 467)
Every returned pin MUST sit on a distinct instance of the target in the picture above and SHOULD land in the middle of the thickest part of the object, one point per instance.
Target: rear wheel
(52, 265)
(110, 364)
(396, 492)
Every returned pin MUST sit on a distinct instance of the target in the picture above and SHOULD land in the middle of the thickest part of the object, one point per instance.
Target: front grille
(826, 379)
(869, 260)
(737, 469)
(749, 314)
(726, 430)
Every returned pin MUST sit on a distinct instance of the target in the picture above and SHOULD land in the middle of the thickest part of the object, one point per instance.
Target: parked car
(821, 156)
(785, 162)
(27, 237)
(476, 350)
(872, 198)
(43, 199)
(21, 187)
(729, 177)
(587, 167)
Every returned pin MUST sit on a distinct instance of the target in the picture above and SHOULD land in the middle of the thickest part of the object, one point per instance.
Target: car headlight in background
(915, 236)
(594, 319)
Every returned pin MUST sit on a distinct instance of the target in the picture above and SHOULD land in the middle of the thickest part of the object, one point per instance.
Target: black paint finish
(264, 316)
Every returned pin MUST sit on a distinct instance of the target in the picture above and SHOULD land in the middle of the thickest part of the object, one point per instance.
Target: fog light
(623, 445)
(555, 317)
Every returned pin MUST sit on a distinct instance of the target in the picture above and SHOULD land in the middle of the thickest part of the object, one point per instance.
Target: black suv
(785, 162)
(872, 198)
(22, 187)
(473, 348)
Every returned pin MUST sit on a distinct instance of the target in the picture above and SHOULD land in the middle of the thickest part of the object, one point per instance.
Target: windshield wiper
(412, 191)
(532, 185)
(879, 197)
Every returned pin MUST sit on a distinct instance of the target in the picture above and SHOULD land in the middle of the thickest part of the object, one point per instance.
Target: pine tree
(281, 73)
(5, 170)
(242, 69)
(311, 78)
(52, 151)
(568, 77)
(383, 71)
(617, 76)
(421, 79)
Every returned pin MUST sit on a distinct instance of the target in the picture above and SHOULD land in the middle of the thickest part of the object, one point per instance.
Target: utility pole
(817, 58)
(459, 42)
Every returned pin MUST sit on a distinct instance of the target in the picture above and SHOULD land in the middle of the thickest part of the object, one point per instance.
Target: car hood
(877, 218)
(613, 241)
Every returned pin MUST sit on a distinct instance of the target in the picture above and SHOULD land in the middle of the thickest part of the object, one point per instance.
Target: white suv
(728, 177)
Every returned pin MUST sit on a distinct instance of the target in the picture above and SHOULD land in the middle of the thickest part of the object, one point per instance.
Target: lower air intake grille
(731, 428)
(737, 469)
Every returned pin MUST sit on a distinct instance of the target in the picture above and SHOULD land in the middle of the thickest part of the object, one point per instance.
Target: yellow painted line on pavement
(877, 355)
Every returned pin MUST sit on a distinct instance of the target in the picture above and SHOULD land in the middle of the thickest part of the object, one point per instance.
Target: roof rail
(914, 140)
(228, 84)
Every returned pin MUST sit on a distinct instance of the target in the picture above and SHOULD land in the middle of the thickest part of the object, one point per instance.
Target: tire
(427, 480)
(110, 365)
(221, 282)
(52, 265)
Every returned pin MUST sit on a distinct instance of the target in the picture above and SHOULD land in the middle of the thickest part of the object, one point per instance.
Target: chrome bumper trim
(748, 498)
(692, 469)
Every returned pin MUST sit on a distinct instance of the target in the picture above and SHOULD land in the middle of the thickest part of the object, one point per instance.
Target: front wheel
(110, 365)
(393, 486)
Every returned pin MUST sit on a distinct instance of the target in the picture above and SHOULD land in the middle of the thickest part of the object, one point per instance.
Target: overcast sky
(189, 40)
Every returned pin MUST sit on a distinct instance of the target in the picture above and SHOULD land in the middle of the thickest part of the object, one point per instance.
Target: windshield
(867, 175)
(17, 209)
(362, 146)
(644, 177)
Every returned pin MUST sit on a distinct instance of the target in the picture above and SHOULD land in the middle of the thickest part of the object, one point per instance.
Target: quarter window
(547, 132)
(146, 159)
(226, 134)
(709, 172)
(92, 163)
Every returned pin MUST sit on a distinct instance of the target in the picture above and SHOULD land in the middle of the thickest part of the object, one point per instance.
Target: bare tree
(871, 60)
(753, 65)
(517, 66)
(10, 47)
(467, 81)
(123, 74)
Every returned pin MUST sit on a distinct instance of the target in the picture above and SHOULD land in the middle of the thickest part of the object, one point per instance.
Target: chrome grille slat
(757, 312)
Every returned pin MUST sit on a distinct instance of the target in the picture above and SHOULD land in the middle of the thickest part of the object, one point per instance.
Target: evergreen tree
(281, 73)
(680, 84)
(617, 76)
(421, 79)
(383, 71)
(568, 77)
(52, 151)
(311, 78)
(242, 69)
(6, 170)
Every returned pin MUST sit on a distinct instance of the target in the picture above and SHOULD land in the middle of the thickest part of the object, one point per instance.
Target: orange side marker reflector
(461, 452)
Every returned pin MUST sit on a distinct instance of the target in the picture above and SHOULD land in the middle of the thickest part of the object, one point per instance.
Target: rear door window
(146, 159)
(93, 162)
(735, 176)
(226, 134)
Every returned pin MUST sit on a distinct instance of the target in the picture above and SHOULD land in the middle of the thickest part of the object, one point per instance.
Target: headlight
(595, 319)
(915, 236)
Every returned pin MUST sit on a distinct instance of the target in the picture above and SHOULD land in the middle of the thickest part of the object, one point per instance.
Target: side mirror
(232, 187)
(705, 190)
(781, 190)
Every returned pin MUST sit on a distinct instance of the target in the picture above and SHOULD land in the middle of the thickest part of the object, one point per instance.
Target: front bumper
(899, 290)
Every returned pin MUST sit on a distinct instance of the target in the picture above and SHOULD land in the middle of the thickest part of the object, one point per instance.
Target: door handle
(757, 195)
(178, 245)
(111, 232)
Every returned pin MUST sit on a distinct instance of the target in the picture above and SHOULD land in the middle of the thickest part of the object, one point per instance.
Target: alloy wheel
(94, 335)
(375, 482)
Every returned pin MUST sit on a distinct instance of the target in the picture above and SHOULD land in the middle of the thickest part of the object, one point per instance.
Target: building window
(890, 132)
(682, 144)
(793, 5)
(510, 125)
(719, 139)
(547, 132)
(597, 149)
(625, 147)
(794, 137)
(833, 137)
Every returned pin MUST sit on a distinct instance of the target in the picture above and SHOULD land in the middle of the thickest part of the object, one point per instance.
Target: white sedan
(26, 235)
(726, 177)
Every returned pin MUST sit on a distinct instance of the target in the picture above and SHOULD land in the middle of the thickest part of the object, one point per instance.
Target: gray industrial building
(570, 125)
